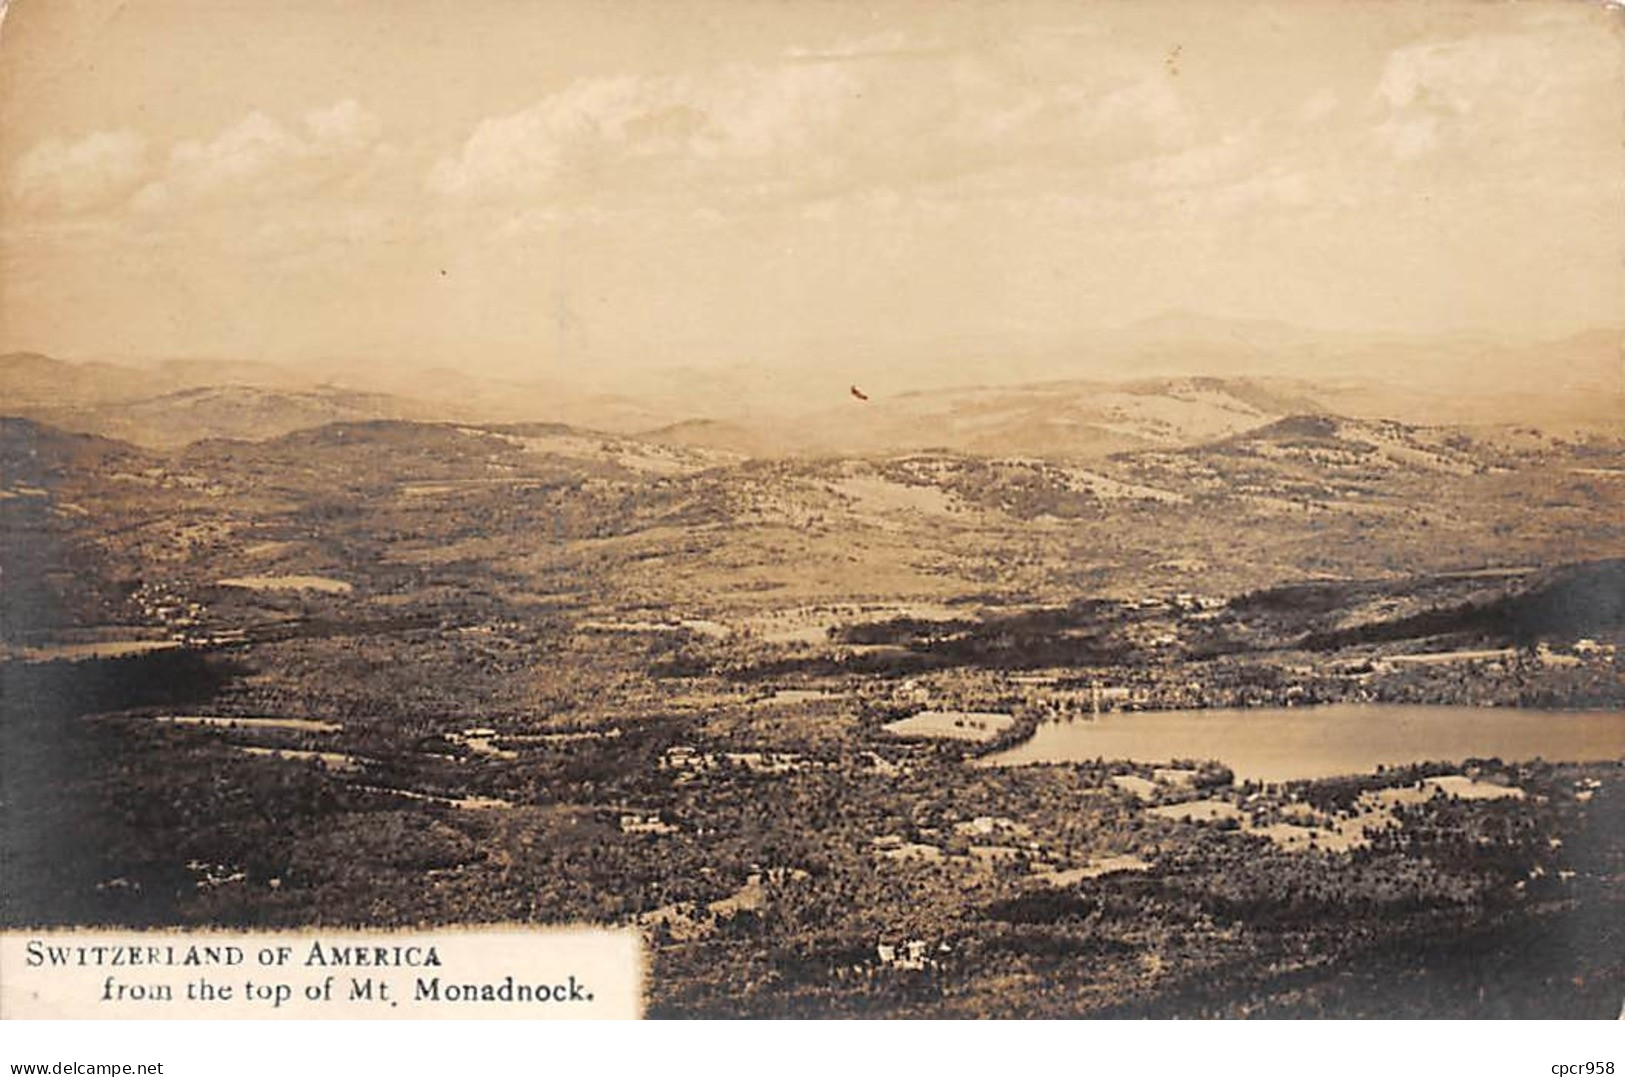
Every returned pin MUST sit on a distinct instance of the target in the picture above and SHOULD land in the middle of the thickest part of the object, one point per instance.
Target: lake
(296, 725)
(1273, 744)
(324, 584)
(78, 652)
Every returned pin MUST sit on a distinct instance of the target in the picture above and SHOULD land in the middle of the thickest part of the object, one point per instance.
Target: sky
(562, 187)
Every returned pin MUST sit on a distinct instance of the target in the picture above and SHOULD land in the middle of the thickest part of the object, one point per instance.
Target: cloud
(241, 153)
(634, 129)
(808, 128)
(253, 161)
(58, 176)
(1517, 94)
(259, 157)
(1084, 122)
(891, 43)
(343, 125)
(1236, 155)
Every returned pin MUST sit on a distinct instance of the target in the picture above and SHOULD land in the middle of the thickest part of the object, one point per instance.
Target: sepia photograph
(813, 509)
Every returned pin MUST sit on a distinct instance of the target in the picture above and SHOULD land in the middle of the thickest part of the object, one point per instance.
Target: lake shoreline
(1275, 743)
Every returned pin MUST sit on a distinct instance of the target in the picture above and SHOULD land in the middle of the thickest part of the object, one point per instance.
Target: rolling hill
(1057, 419)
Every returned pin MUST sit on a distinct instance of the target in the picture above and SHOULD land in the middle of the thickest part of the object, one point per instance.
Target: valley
(395, 671)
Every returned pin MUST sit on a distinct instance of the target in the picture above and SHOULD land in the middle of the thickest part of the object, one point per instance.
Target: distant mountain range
(1174, 380)
(1058, 418)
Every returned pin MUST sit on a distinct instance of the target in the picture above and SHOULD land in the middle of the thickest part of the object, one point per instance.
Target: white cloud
(1149, 104)
(890, 43)
(259, 157)
(250, 162)
(343, 125)
(58, 176)
(632, 129)
(1410, 137)
(242, 152)
(742, 135)
(1519, 93)
(1237, 154)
